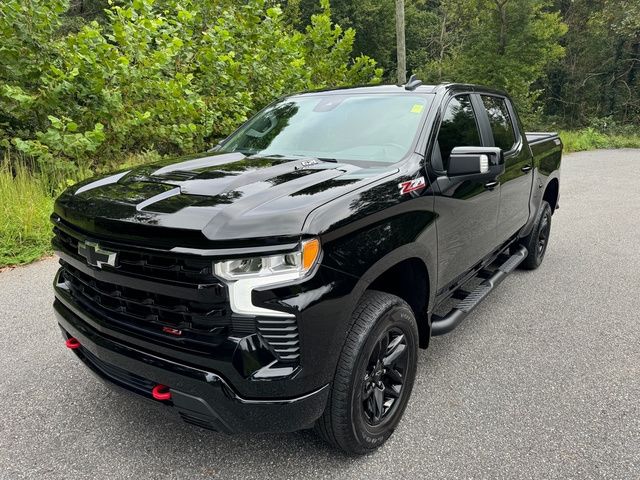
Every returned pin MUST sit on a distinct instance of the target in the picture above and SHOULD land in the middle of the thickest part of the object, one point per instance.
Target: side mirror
(476, 161)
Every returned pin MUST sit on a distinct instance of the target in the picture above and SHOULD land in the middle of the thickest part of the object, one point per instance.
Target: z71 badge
(411, 185)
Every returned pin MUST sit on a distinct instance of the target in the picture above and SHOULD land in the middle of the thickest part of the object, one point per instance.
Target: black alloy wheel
(384, 378)
(537, 240)
(543, 235)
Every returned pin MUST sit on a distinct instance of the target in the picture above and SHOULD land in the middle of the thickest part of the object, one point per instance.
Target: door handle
(491, 185)
(527, 168)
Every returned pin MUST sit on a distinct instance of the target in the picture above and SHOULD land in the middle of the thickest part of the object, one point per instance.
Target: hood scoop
(177, 176)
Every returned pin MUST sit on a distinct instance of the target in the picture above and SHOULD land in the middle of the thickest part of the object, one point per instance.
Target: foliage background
(92, 85)
(85, 82)
(569, 63)
(170, 75)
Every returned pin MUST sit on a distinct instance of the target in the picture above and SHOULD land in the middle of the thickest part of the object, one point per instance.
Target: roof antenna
(413, 83)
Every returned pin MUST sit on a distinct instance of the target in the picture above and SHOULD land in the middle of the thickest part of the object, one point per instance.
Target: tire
(353, 420)
(538, 240)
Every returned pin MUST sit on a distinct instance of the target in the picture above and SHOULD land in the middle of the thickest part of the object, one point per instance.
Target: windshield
(373, 128)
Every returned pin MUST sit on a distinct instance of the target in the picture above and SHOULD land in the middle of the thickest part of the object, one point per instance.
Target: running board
(441, 325)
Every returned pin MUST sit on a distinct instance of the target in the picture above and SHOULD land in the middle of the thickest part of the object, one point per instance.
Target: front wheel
(538, 240)
(374, 377)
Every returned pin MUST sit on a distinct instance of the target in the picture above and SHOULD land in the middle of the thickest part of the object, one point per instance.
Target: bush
(158, 75)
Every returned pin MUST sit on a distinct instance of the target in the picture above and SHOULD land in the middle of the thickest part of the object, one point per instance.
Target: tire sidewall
(534, 258)
(396, 316)
(545, 212)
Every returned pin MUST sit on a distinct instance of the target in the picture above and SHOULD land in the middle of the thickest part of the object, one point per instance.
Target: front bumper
(199, 397)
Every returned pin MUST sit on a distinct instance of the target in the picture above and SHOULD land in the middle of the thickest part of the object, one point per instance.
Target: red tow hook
(161, 392)
(72, 343)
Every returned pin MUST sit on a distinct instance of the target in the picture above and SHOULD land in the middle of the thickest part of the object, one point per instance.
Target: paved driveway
(541, 381)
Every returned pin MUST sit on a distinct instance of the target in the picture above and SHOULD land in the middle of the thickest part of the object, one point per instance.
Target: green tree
(507, 44)
(327, 50)
(599, 77)
(372, 19)
(26, 51)
(166, 75)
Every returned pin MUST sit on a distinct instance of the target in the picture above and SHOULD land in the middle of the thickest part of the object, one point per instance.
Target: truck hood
(216, 197)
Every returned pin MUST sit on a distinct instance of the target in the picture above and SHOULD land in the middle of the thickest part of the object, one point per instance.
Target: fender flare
(540, 184)
(400, 254)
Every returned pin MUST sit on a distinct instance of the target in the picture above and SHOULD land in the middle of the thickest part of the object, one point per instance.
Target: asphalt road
(541, 381)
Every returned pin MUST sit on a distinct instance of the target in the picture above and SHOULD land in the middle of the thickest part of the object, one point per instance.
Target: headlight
(245, 274)
(298, 263)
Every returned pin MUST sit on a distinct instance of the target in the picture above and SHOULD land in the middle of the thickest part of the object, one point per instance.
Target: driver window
(458, 129)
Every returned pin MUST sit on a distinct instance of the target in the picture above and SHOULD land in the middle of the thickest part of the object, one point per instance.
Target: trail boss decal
(411, 185)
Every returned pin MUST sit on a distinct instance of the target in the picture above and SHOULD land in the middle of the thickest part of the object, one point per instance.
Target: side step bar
(441, 325)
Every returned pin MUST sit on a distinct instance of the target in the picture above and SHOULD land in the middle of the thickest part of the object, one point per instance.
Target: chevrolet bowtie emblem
(95, 255)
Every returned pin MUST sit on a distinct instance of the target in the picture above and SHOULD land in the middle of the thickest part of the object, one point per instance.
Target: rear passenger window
(458, 128)
(500, 120)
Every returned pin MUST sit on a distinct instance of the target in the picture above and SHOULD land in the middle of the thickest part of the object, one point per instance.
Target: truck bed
(546, 148)
(540, 137)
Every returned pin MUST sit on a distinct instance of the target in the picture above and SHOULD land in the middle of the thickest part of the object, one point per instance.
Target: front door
(466, 210)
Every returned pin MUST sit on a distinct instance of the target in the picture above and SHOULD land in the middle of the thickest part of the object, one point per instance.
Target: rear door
(516, 181)
(466, 209)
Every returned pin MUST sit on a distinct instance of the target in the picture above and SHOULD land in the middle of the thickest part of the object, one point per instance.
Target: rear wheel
(374, 377)
(538, 240)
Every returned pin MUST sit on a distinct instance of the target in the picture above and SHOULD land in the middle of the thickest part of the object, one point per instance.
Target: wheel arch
(408, 273)
(552, 194)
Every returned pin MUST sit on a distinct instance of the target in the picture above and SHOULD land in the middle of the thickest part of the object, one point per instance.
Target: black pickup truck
(287, 278)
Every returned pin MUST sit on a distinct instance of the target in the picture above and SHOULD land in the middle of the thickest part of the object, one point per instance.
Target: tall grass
(26, 201)
(590, 139)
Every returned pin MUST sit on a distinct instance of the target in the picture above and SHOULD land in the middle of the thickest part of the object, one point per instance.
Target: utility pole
(402, 52)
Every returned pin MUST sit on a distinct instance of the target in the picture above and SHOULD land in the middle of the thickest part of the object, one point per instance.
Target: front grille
(171, 300)
(282, 335)
(142, 307)
(146, 264)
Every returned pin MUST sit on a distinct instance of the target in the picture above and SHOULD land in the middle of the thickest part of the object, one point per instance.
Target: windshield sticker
(417, 108)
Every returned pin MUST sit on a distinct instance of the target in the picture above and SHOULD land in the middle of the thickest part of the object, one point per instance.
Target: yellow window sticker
(417, 108)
